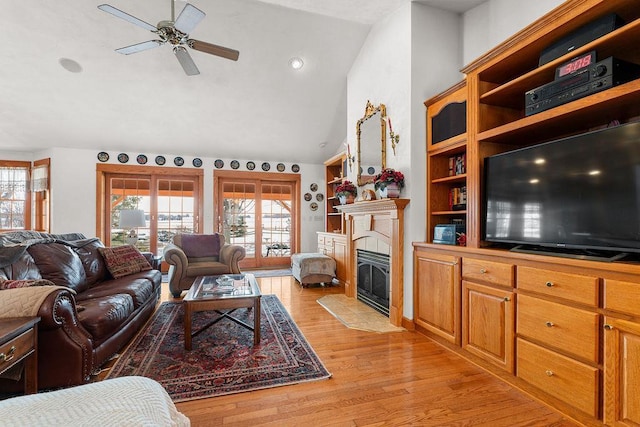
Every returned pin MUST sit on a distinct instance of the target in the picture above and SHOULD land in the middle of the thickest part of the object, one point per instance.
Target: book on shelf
(458, 198)
(458, 164)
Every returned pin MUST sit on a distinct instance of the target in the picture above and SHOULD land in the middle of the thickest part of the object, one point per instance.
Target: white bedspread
(126, 401)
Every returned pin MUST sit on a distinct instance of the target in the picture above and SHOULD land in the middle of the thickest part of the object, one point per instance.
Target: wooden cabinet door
(437, 294)
(488, 323)
(621, 372)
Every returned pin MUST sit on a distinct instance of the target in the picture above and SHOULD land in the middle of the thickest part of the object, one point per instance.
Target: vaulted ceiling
(63, 85)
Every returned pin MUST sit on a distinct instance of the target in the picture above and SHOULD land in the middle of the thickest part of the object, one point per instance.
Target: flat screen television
(574, 196)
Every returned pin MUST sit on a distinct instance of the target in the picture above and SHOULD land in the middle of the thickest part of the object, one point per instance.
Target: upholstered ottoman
(313, 268)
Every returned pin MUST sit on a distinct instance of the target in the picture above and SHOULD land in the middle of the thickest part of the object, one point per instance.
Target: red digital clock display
(576, 64)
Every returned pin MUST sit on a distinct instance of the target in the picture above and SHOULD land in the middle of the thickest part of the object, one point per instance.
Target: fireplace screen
(373, 280)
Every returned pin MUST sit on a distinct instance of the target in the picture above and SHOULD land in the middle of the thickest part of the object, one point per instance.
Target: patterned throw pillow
(12, 284)
(124, 260)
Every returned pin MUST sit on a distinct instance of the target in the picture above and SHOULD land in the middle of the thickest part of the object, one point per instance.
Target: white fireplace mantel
(378, 223)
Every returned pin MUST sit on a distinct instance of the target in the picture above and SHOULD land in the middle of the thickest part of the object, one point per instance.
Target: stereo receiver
(585, 80)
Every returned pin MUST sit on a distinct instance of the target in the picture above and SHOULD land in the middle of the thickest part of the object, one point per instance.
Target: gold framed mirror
(371, 150)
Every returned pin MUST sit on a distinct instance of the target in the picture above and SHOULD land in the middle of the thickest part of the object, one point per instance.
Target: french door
(259, 211)
(170, 204)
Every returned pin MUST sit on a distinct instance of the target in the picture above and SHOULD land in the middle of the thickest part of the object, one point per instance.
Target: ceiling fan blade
(214, 49)
(134, 48)
(123, 15)
(189, 18)
(185, 60)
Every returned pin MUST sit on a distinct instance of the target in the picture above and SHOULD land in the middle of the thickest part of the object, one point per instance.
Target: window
(259, 211)
(15, 196)
(168, 198)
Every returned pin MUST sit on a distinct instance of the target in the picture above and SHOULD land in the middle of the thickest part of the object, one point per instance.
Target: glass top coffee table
(222, 294)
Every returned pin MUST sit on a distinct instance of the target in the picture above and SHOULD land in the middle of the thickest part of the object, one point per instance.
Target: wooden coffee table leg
(187, 326)
(256, 321)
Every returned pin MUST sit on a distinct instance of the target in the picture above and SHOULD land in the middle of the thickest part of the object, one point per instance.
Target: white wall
(73, 190)
(410, 54)
(493, 21)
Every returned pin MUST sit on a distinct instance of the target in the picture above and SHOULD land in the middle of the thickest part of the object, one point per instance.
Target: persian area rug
(355, 314)
(224, 359)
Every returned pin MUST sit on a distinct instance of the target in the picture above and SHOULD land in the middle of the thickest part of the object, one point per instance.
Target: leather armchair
(193, 255)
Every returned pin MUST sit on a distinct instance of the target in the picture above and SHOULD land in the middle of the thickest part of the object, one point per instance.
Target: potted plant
(389, 182)
(346, 192)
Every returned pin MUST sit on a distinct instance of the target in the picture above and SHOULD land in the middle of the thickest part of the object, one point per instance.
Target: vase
(389, 191)
(345, 200)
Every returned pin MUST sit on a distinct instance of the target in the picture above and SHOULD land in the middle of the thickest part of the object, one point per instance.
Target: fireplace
(373, 280)
(377, 226)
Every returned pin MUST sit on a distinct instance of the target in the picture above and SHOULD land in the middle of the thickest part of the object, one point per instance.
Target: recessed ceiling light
(70, 65)
(296, 63)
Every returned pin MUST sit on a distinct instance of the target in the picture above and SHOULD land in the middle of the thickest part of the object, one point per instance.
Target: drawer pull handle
(483, 271)
(7, 357)
(549, 373)
(549, 324)
(507, 299)
(608, 327)
(549, 284)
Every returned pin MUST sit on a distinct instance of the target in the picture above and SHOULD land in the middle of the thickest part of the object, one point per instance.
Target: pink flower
(387, 176)
(346, 188)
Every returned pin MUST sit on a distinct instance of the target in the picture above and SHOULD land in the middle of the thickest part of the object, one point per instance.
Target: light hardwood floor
(391, 379)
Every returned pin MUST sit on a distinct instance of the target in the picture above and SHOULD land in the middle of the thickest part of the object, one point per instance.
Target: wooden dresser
(564, 330)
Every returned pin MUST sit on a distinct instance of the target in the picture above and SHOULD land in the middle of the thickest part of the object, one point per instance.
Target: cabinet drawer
(488, 271)
(582, 289)
(16, 349)
(622, 296)
(566, 379)
(572, 330)
(321, 240)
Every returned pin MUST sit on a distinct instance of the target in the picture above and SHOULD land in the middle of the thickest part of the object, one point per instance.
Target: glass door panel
(276, 202)
(239, 217)
(128, 194)
(176, 209)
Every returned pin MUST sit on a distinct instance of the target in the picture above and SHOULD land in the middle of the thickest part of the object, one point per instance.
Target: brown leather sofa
(193, 255)
(91, 318)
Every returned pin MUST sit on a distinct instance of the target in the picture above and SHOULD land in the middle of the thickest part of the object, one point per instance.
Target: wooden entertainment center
(565, 330)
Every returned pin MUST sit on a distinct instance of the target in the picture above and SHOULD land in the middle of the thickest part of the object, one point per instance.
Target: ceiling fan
(176, 32)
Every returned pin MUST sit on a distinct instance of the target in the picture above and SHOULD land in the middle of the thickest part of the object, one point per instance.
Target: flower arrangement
(388, 176)
(346, 189)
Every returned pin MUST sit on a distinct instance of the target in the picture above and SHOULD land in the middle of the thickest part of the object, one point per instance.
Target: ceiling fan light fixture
(296, 63)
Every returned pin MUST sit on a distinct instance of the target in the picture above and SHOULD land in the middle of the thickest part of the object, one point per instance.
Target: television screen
(580, 192)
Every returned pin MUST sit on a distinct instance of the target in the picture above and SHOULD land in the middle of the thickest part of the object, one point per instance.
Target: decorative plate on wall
(123, 158)
(314, 206)
(141, 159)
(266, 166)
(308, 197)
(251, 166)
(103, 157)
(160, 160)
(319, 197)
(235, 164)
(178, 161)
(218, 164)
(371, 170)
(197, 162)
(280, 167)
(295, 168)
(314, 187)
